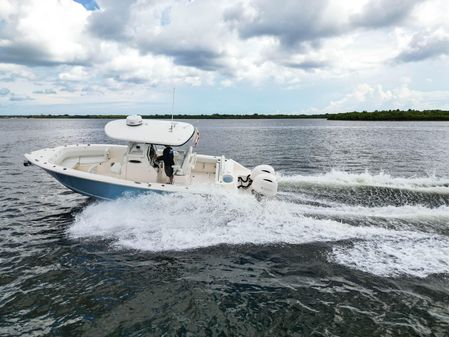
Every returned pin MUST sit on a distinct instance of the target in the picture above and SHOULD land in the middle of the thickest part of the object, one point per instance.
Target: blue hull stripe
(99, 189)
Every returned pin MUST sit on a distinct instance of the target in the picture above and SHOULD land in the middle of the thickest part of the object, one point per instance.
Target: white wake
(184, 222)
(338, 178)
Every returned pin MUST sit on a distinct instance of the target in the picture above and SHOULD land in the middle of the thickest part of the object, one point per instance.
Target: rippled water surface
(355, 244)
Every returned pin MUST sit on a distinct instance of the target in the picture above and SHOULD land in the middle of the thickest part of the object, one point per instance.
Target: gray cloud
(423, 46)
(307, 65)
(32, 56)
(18, 98)
(300, 22)
(4, 91)
(25, 38)
(68, 89)
(45, 92)
(204, 35)
(119, 77)
(384, 13)
(7, 77)
(293, 22)
(25, 55)
(182, 46)
(204, 59)
(110, 23)
(300, 26)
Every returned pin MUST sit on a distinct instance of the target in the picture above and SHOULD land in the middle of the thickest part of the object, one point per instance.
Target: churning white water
(341, 178)
(185, 221)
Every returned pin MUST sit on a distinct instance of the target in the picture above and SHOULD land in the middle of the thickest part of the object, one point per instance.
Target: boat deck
(202, 173)
(116, 164)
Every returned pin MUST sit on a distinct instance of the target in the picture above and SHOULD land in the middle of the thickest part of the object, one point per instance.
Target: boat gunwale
(43, 163)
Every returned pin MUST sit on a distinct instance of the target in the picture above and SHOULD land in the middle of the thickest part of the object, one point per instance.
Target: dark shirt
(168, 158)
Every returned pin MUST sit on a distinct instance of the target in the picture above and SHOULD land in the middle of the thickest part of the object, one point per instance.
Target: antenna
(172, 108)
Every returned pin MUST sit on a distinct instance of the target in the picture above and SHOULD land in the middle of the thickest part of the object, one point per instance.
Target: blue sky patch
(90, 5)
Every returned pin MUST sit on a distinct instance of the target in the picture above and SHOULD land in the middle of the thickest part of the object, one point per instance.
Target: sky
(234, 56)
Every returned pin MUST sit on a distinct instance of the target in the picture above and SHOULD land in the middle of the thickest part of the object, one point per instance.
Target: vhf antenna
(172, 109)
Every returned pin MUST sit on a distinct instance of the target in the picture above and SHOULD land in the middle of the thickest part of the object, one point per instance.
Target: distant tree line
(392, 115)
(383, 115)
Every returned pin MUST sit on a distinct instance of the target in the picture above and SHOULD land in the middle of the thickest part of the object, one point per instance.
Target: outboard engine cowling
(260, 169)
(262, 181)
(265, 184)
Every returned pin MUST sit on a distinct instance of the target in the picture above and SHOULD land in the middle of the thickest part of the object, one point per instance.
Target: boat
(108, 171)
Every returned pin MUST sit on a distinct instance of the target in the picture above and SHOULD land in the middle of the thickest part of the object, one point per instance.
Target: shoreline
(375, 116)
(164, 116)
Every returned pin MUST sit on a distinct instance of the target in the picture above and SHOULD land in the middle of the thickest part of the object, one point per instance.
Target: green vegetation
(387, 115)
(392, 115)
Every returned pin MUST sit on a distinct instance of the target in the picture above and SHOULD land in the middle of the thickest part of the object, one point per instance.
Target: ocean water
(355, 244)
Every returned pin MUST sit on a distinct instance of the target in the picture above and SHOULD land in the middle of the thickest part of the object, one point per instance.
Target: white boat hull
(88, 170)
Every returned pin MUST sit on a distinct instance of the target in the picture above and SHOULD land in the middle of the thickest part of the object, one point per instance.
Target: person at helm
(168, 159)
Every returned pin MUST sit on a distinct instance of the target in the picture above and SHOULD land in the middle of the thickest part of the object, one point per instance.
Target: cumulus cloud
(308, 65)
(42, 33)
(425, 45)
(178, 32)
(20, 98)
(45, 92)
(294, 22)
(11, 96)
(110, 22)
(377, 97)
(297, 23)
(382, 13)
(4, 91)
(119, 48)
(11, 72)
(77, 73)
(62, 32)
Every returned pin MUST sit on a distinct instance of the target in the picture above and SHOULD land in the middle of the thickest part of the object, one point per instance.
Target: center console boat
(106, 171)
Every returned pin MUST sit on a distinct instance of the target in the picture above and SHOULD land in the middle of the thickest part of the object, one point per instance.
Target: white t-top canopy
(151, 131)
